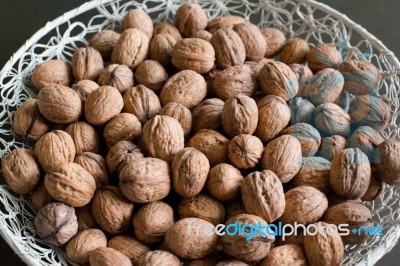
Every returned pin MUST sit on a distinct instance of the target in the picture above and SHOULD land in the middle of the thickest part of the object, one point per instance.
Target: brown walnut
(96, 165)
(224, 182)
(117, 76)
(245, 151)
(104, 42)
(151, 74)
(87, 63)
(123, 126)
(136, 18)
(84, 136)
(52, 72)
(83, 243)
(190, 18)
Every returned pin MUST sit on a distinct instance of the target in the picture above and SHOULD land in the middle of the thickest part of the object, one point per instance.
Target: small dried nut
(56, 223)
(71, 184)
(104, 256)
(304, 205)
(367, 140)
(302, 111)
(59, 104)
(84, 88)
(39, 197)
(278, 79)
(159, 257)
(152, 221)
(185, 87)
(245, 151)
(167, 28)
(87, 63)
(85, 217)
(239, 115)
(123, 126)
(224, 182)
(231, 263)
(273, 117)
(247, 247)
(309, 137)
(160, 49)
(151, 74)
(102, 105)
(224, 22)
(130, 247)
(150, 173)
(330, 146)
(294, 51)
(285, 255)
(283, 157)
(117, 76)
(253, 40)
(84, 136)
(204, 207)
(350, 174)
(330, 119)
(235, 80)
(104, 42)
(275, 41)
(375, 188)
(21, 170)
(207, 115)
(262, 195)
(234, 208)
(202, 34)
(388, 166)
(213, 144)
(142, 102)
(323, 56)
(323, 248)
(121, 154)
(83, 243)
(113, 220)
(229, 48)
(131, 48)
(138, 19)
(54, 148)
(95, 165)
(314, 172)
(189, 172)
(181, 113)
(52, 72)
(193, 54)
(190, 18)
(187, 242)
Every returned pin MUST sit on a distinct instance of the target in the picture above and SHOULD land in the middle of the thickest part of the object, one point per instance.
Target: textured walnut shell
(56, 223)
(83, 243)
(285, 255)
(388, 166)
(262, 195)
(283, 157)
(189, 172)
(330, 146)
(181, 113)
(85, 217)
(202, 34)
(104, 42)
(71, 184)
(193, 54)
(96, 165)
(142, 102)
(160, 49)
(204, 207)
(39, 197)
(242, 248)
(159, 257)
(131, 48)
(213, 144)
(166, 27)
(186, 87)
(234, 208)
(224, 22)
(229, 48)
(309, 137)
(113, 220)
(207, 115)
(324, 248)
(117, 76)
(330, 119)
(152, 221)
(302, 111)
(145, 180)
(183, 240)
(87, 63)
(375, 188)
(350, 174)
(151, 74)
(304, 205)
(104, 256)
(294, 51)
(323, 56)
(121, 154)
(129, 246)
(224, 182)
(273, 117)
(84, 88)
(52, 72)
(59, 104)
(84, 136)
(231, 263)
(235, 80)
(302, 72)
(54, 148)
(253, 40)
(367, 140)
(245, 151)
(123, 126)
(190, 18)
(102, 105)
(275, 41)
(136, 18)
(278, 79)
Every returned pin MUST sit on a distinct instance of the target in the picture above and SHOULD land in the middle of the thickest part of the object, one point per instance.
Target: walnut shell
(96, 165)
(388, 168)
(375, 188)
(84, 136)
(285, 255)
(330, 146)
(181, 113)
(39, 197)
(145, 180)
(224, 22)
(203, 207)
(104, 256)
(330, 119)
(309, 137)
(208, 114)
(130, 247)
(104, 42)
(323, 56)
(245, 151)
(159, 257)
(85, 217)
(275, 41)
(224, 182)
(367, 140)
(59, 104)
(253, 40)
(160, 49)
(123, 126)
(136, 18)
(87, 63)
(302, 72)
(84, 88)
(117, 76)
(151, 74)
(83, 243)
(190, 18)
(294, 51)
(121, 154)
(52, 72)
(166, 27)
(302, 111)
(231, 263)
(56, 223)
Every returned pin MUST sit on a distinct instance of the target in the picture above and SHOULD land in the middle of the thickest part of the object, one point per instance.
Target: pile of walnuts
(153, 131)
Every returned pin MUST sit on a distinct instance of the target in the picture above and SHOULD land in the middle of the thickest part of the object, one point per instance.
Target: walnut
(83, 243)
(309, 137)
(138, 19)
(95, 165)
(56, 223)
(375, 188)
(52, 72)
(102, 105)
(323, 56)
(159, 257)
(84, 136)
(245, 151)
(87, 63)
(208, 114)
(360, 77)
(143, 173)
(231, 263)
(330, 146)
(367, 140)
(302, 72)
(85, 217)
(130, 247)
(224, 182)
(39, 197)
(302, 111)
(388, 166)
(229, 48)
(59, 104)
(104, 42)
(121, 154)
(330, 119)
(275, 41)
(113, 220)
(104, 256)
(190, 18)
(234, 208)
(160, 49)
(285, 255)
(123, 126)
(84, 88)
(253, 40)
(117, 76)
(181, 113)
(142, 102)
(224, 22)
(151, 74)
(294, 51)
(152, 221)
(167, 28)
(21, 170)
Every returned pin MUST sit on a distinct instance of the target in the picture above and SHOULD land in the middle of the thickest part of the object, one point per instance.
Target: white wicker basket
(60, 38)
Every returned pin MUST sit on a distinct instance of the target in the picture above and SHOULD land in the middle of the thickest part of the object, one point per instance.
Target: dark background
(20, 19)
